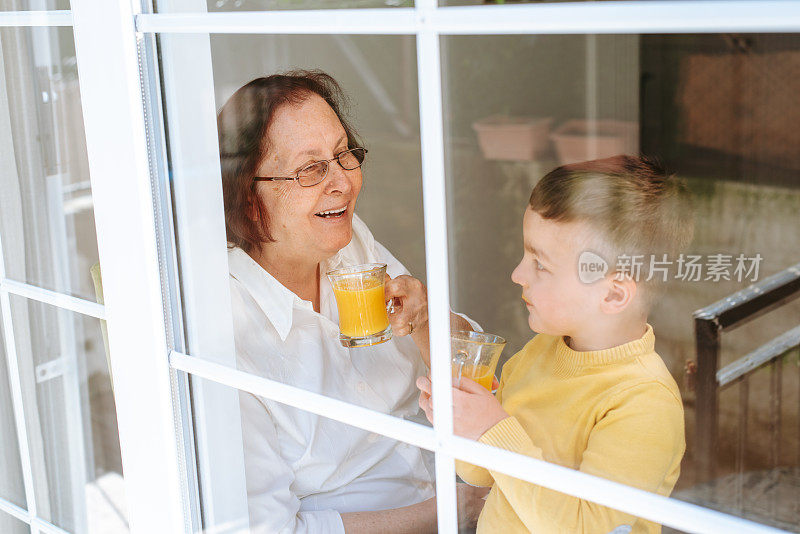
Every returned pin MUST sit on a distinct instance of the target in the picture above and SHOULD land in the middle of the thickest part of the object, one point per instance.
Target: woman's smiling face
(300, 134)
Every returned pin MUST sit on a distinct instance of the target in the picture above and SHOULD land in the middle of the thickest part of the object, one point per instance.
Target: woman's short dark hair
(242, 124)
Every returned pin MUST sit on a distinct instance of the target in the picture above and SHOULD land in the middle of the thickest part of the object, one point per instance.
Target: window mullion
(436, 256)
(35, 18)
(54, 298)
(199, 226)
(610, 17)
(548, 18)
(112, 100)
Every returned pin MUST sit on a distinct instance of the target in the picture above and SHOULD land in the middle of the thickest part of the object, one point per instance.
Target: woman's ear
(621, 292)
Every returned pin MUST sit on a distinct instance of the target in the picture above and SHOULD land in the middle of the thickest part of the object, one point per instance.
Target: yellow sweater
(615, 413)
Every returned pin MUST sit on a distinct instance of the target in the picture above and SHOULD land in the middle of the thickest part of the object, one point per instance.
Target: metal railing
(723, 316)
(769, 355)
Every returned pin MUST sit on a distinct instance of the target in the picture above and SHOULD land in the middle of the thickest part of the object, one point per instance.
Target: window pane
(307, 482)
(287, 339)
(166, 6)
(46, 214)
(717, 110)
(11, 486)
(12, 525)
(377, 75)
(71, 418)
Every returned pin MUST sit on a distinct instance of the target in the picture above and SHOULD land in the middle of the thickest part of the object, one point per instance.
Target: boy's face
(558, 302)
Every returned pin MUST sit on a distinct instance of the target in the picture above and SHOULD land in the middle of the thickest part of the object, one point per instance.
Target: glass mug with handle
(361, 299)
(475, 355)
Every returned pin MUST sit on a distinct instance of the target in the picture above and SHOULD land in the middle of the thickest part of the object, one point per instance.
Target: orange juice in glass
(361, 300)
(475, 355)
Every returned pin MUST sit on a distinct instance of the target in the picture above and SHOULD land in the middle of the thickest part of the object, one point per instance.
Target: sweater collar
(571, 362)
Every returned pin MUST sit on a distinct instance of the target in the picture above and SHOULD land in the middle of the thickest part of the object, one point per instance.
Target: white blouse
(304, 470)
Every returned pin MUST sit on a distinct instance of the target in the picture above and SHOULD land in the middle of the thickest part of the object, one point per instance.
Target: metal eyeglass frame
(296, 177)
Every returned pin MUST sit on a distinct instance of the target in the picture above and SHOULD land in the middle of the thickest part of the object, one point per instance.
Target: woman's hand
(410, 315)
(410, 297)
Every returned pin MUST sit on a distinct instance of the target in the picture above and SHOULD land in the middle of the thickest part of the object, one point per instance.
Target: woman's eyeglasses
(314, 173)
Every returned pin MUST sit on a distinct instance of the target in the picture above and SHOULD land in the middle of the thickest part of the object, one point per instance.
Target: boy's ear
(621, 292)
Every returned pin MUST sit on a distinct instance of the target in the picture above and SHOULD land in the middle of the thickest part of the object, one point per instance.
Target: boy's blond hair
(632, 206)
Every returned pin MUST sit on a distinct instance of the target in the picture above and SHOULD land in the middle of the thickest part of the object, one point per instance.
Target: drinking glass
(475, 355)
(361, 299)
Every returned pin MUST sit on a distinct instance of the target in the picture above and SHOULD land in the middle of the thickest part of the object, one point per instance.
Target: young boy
(589, 392)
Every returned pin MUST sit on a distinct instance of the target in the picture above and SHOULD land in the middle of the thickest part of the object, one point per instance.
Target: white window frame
(127, 163)
(62, 301)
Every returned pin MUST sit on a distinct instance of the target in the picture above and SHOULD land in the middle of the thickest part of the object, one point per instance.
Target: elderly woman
(291, 175)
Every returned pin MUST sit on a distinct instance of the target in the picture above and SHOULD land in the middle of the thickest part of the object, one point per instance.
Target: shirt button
(361, 387)
(372, 438)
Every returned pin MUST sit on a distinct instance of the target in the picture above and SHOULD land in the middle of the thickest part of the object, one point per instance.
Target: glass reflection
(283, 237)
(46, 210)
(11, 486)
(715, 110)
(564, 99)
(71, 419)
(12, 525)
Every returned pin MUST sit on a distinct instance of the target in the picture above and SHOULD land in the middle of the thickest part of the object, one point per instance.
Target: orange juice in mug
(475, 355)
(362, 310)
(361, 300)
(482, 374)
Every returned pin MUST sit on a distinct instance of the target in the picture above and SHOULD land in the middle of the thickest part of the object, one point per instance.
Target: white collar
(276, 300)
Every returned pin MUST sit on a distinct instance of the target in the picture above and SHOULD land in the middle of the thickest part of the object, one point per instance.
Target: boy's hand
(475, 410)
